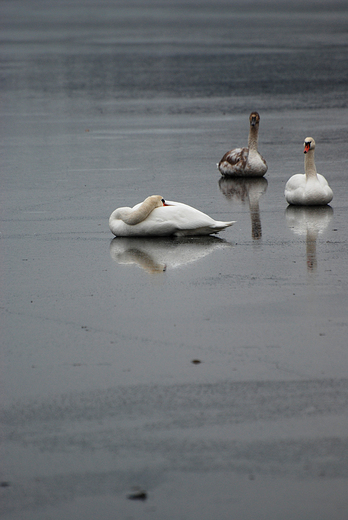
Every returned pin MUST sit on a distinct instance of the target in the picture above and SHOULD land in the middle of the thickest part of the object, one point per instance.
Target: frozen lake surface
(211, 373)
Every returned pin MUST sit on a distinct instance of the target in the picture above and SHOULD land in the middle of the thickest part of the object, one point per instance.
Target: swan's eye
(163, 201)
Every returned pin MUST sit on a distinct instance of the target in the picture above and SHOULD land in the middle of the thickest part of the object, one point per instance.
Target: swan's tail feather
(223, 225)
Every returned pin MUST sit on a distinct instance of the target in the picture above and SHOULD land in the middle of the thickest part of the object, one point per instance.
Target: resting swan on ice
(157, 217)
(310, 188)
(245, 162)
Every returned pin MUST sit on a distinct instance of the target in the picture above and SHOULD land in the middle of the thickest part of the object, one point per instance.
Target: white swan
(310, 188)
(157, 217)
(245, 162)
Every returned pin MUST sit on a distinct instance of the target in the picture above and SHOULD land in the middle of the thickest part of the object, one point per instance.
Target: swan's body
(310, 188)
(245, 162)
(157, 217)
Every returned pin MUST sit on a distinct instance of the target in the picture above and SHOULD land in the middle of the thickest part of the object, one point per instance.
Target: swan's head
(309, 144)
(156, 201)
(163, 202)
(254, 119)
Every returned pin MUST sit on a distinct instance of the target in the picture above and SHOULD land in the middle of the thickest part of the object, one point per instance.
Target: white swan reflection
(309, 222)
(249, 190)
(156, 255)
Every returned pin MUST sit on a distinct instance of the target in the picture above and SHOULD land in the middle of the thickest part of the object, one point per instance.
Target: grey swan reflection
(246, 190)
(309, 222)
(156, 255)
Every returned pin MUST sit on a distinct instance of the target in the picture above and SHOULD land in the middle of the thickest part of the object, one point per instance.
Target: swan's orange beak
(164, 203)
(306, 147)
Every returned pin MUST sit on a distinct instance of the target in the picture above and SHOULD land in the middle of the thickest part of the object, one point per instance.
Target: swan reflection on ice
(246, 190)
(156, 255)
(310, 222)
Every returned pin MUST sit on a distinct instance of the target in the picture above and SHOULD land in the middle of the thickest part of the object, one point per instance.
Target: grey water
(207, 376)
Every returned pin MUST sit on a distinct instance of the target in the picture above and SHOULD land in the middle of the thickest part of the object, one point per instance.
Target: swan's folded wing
(323, 182)
(187, 220)
(296, 181)
(234, 161)
(235, 156)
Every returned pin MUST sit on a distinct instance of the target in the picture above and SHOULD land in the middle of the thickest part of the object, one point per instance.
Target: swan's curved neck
(253, 137)
(309, 164)
(135, 216)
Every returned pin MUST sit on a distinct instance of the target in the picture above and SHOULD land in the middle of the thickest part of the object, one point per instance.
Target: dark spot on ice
(138, 495)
